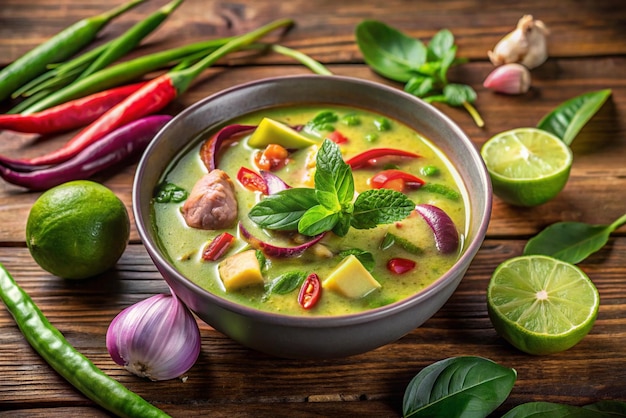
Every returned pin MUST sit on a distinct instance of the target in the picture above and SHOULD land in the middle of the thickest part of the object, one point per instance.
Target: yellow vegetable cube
(270, 131)
(240, 270)
(351, 279)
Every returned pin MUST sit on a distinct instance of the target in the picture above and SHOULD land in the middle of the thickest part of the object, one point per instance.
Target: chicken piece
(526, 45)
(212, 203)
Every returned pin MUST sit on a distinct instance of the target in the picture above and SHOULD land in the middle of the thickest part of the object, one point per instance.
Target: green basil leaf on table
(567, 119)
(458, 387)
(612, 408)
(440, 45)
(571, 242)
(282, 211)
(552, 410)
(388, 51)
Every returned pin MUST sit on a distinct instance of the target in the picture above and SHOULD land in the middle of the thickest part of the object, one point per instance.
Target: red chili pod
(252, 181)
(218, 246)
(310, 291)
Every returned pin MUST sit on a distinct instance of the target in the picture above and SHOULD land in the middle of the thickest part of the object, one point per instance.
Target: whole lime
(78, 229)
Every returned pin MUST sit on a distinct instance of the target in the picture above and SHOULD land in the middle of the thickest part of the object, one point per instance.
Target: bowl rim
(362, 317)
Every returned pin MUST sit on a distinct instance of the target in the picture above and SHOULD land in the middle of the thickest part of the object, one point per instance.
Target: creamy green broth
(184, 245)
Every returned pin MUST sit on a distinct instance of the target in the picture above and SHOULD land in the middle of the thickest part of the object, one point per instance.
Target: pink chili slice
(310, 291)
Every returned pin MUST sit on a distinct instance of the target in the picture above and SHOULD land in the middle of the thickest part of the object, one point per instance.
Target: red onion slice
(446, 235)
(274, 251)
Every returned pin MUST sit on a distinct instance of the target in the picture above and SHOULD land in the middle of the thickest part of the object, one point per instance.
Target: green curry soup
(364, 130)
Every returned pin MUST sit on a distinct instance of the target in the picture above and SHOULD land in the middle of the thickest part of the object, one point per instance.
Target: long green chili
(66, 360)
(124, 72)
(58, 48)
(131, 38)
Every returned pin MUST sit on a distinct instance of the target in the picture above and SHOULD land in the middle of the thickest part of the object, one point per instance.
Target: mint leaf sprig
(331, 205)
(423, 68)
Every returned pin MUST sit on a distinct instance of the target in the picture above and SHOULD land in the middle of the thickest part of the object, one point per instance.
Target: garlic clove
(509, 79)
(527, 44)
(157, 338)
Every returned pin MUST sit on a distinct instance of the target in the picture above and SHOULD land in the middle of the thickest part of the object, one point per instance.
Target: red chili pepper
(152, 97)
(70, 115)
(396, 180)
(310, 291)
(218, 246)
(400, 265)
(252, 181)
(337, 137)
(369, 157)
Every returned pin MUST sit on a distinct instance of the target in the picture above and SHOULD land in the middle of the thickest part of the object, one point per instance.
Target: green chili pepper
(58, 48)
(66, 360)
(131, 38)
(124, 72)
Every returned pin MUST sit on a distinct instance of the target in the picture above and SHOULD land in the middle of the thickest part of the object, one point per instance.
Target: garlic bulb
(157, 338)
(509, 79)
(526, 45)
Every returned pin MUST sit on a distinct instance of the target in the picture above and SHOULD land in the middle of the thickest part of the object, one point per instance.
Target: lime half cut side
(527, 166)
(541, 305)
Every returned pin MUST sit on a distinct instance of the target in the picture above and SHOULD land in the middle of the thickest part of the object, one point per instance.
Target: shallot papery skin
(526, 45)
(157, 338)
(509, 79)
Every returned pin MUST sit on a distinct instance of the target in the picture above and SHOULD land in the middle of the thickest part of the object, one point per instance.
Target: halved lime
(541, 305)
(527, 166)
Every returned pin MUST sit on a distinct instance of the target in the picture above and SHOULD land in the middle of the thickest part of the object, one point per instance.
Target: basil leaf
(365, 257)
(611, 408)
(571, 242)
(380, 206)
(458, 386)
(282, 211)
(567, 119)
(551, 410)
(334, 184)
(420, 86)
(440, 45)
(323, 121)
(388, 51)
(457, 94)
(316, 220)
(286, 283)
(342, 226)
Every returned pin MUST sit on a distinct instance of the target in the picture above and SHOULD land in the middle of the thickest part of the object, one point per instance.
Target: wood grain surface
(587, 52)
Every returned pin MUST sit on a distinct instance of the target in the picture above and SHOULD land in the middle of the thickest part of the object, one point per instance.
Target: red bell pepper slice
(218, 246)
(252, 181)
(396, 180)
(368, 158)
(400, 265)
(310, 291)
(337, 137)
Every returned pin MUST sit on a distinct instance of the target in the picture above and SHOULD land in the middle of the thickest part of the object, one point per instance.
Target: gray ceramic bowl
(305, 337)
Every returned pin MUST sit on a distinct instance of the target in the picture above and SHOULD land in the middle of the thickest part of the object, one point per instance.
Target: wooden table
(587, 53)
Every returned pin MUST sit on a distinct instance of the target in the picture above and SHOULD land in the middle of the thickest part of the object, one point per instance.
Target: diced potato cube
(351, 279)
(240, 270)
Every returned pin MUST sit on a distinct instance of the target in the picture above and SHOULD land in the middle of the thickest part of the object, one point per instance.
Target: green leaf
(380, 206)
(571, 242)
(457, 94)
(365, 257)
(316, 220)
(551, 410)
(388, 51)
(282, 211)
(342, 226)
(169, 192)
(323, 121)
(334, 184)
(420, 86)
(567, 119)
(458, 387)
(440, 45)
(286, 282)
(441, 189)
(611, 408)
(447, 61)
(390, 240)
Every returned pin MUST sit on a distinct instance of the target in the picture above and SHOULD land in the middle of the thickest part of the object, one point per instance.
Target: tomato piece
(337, 137)
(310, 291)
(251, 180)
(217, 247)
(272, 158)
(396, 180)
(400, 265)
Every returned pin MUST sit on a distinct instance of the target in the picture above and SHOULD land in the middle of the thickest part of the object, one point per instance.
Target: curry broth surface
(184, 244)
